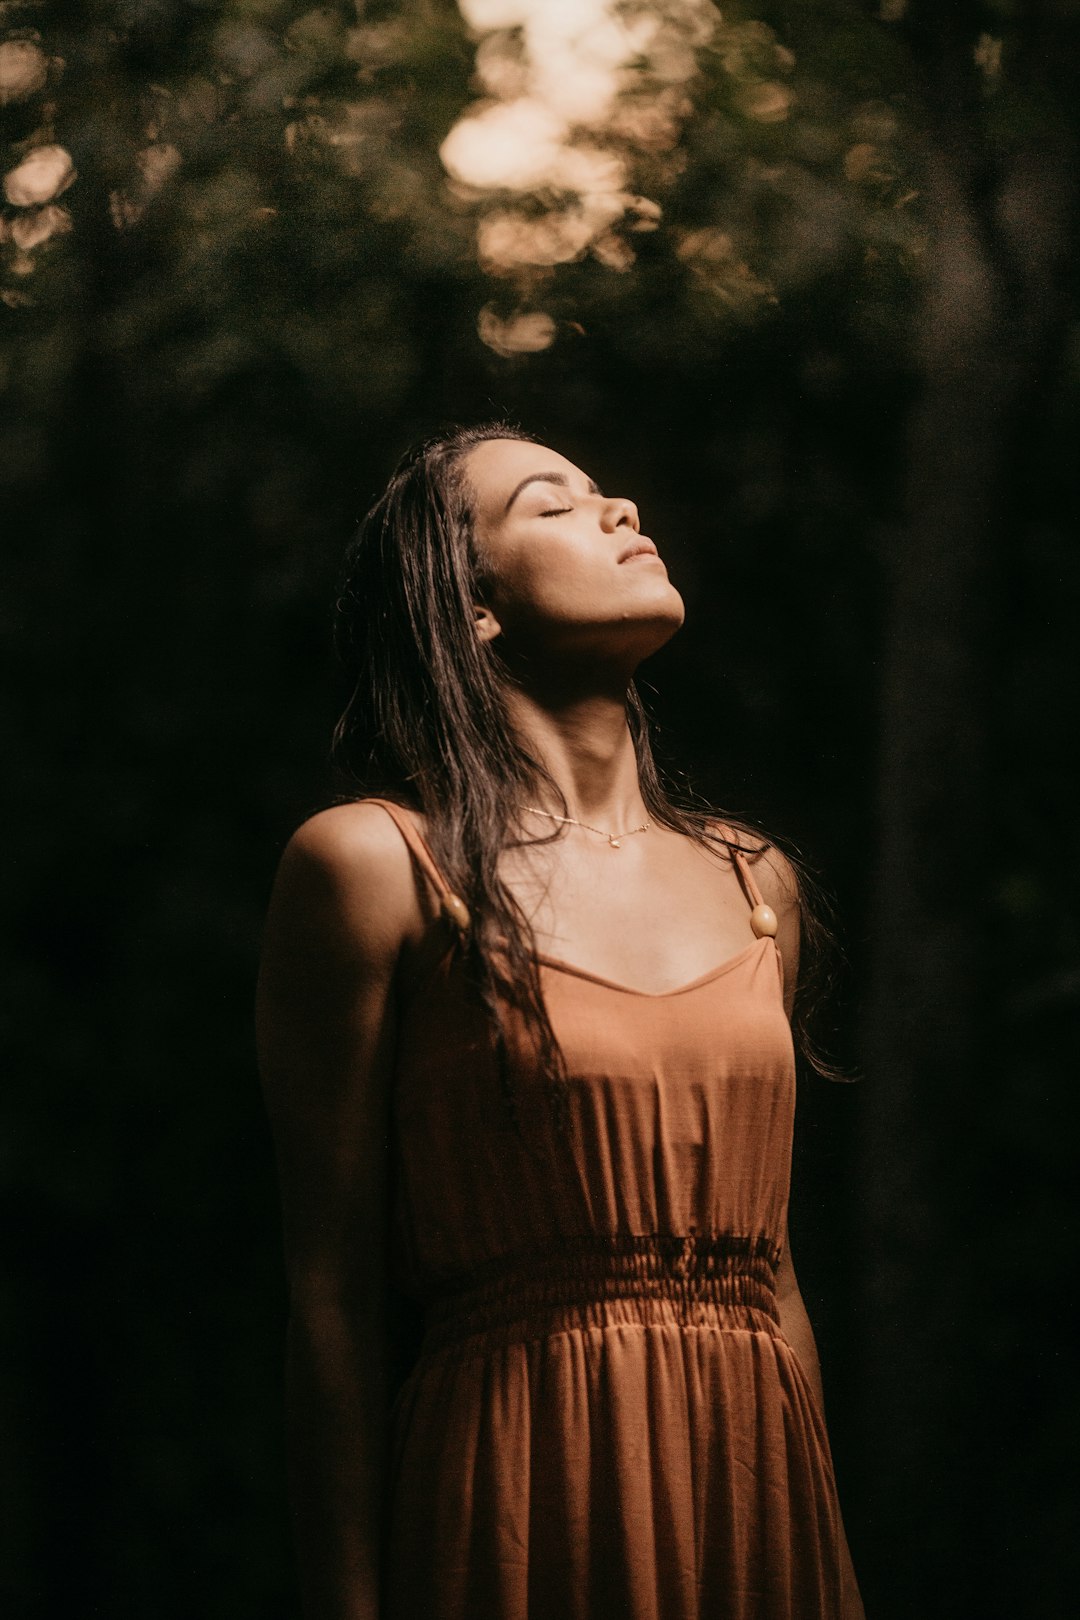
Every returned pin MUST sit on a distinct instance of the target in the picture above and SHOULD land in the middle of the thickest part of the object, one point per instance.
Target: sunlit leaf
(24, 69)
(524, 333)
(43, 174)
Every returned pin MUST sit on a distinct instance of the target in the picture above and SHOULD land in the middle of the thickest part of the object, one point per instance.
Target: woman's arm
(795, 1326)
(343, 904)
(777, 883)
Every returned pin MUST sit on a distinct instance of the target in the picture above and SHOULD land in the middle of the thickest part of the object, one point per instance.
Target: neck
(584, 741)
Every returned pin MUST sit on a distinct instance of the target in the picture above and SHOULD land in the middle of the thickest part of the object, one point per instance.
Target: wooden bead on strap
(763, 921)
(456, 911)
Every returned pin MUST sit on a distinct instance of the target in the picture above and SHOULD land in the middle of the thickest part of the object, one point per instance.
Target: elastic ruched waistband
(697, 1280)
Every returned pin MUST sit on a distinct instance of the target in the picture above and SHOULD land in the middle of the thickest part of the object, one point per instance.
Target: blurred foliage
(238, 276)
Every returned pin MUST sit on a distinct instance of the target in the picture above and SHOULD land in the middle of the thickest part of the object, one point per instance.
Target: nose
(620, 511)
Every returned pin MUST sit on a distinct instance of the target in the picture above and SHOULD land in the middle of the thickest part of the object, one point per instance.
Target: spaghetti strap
(763, 919)
(749, 881)
(417, 845)
(742, 866)
(453, 907)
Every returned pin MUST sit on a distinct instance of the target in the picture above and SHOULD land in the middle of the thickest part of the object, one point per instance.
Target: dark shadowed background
(800, 279)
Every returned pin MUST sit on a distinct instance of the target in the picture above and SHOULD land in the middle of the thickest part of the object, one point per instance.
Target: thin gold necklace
(612, 838)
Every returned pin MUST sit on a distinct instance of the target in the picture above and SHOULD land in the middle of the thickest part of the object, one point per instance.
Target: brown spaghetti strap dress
(605, 1421)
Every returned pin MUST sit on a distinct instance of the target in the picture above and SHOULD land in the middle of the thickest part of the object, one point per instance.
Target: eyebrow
(548, 478)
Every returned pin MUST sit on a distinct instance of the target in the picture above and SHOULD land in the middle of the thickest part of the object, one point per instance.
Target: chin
(669, 608)
(656, 629)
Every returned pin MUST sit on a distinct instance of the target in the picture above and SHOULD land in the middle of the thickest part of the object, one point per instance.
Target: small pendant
(614, 842)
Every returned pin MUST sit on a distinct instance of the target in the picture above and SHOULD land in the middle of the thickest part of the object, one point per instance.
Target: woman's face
(568, 569)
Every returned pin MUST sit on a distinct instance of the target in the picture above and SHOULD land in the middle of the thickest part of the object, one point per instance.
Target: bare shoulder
(776, 877)
(348, 838)
(348, 869)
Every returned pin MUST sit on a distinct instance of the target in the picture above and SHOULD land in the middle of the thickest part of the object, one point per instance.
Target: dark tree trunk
(990, 311)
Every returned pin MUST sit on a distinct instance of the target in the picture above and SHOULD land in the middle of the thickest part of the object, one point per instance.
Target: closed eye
(557, 511)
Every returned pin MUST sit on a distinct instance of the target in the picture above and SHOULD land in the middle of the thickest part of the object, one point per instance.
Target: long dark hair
(427, 726)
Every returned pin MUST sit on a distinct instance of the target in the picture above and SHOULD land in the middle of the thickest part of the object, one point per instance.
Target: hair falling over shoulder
(427, 724)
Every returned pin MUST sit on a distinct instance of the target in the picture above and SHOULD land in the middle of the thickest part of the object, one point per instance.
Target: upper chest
(656, 913)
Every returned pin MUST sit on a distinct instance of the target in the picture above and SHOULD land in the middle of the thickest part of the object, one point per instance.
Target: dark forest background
(828, 340)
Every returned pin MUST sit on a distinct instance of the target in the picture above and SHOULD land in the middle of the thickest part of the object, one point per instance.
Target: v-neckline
(576, 972)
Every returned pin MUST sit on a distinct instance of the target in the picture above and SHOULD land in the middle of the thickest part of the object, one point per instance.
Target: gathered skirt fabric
(658, 1471)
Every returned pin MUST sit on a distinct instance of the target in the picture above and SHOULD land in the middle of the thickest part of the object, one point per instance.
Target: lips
(641, 547)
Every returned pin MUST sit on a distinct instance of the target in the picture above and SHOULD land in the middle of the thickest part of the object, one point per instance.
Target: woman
(523, 1027)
